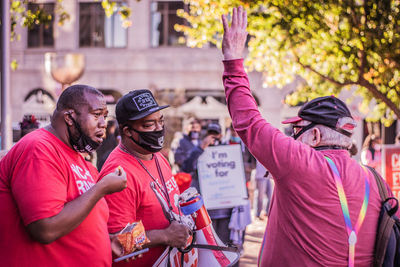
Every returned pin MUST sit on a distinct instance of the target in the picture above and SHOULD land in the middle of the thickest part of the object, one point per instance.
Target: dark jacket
(186, 156)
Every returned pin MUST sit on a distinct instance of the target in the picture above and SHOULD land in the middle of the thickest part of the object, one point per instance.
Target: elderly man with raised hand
(306, 225)
(52, 208)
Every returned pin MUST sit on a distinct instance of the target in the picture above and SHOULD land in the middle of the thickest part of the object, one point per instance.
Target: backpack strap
(381, 186)
(386, 222)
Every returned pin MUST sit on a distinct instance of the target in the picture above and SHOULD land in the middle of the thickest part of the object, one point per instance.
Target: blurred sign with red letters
(391, 167)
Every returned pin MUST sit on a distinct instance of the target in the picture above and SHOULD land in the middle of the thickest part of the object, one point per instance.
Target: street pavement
(253, 239)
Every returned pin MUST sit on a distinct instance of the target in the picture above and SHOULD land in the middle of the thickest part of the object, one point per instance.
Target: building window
(97, 30)
(163, 19)
(41, 35)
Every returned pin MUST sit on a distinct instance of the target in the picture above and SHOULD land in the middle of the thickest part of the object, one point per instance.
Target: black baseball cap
(325, 110)
(214, 127)
(135, 105)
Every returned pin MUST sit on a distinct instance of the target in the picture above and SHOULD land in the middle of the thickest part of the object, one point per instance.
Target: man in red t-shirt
(142, 130)
(51, 205)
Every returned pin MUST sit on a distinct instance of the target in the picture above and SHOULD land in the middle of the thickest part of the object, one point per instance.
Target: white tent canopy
(211, 109)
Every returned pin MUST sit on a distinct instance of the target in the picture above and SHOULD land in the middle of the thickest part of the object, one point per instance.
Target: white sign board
(221, 177)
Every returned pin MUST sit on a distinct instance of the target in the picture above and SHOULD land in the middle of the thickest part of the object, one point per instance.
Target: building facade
(114, 59)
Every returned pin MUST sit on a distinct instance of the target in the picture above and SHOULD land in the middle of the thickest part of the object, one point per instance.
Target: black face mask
(151, 141)
(82, 143)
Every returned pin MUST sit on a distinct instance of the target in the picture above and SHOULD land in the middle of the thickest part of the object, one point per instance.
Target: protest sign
(221, 177)
(391, 167)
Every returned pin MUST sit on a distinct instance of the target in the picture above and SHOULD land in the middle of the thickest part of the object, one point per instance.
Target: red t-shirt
(138, 201)
(38, 176)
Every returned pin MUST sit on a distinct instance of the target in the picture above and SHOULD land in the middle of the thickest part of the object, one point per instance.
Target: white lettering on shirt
(171, 185)
(83, 179)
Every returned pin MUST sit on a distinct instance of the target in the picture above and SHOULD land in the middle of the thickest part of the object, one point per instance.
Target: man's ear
(126, 131)
(67, 117)
(316, 137)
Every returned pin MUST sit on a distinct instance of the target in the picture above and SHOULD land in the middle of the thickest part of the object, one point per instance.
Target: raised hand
(114, 182)
(207, 141)
(234, 39)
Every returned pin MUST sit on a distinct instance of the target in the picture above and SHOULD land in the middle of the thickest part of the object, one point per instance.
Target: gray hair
(331, 137)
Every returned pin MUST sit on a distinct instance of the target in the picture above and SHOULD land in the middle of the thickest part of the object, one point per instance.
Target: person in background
(51, 202)
(28, 124)
(371, 152)
(187, 157)
(353, 149)
(183, 142)
(109, 143)
(397, 139)
(190, 147)
(264, 185)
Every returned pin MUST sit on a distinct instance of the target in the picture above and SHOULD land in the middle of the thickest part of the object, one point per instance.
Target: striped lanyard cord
(352, 232)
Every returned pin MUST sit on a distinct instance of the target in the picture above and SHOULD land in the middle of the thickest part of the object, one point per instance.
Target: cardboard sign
(391, 167)
(221, 177)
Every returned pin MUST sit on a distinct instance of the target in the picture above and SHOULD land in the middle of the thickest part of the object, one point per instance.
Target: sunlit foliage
(332, 44)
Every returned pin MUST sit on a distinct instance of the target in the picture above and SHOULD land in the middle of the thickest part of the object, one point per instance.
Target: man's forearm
(157, 237)
(71, 216)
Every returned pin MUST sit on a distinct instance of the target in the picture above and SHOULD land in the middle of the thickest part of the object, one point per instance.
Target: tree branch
(363, 63)
(362, 82)
(324, 76)
(379, 95)
(353, 15)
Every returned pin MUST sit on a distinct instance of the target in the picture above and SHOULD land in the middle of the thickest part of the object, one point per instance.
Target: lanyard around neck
(352, 232)
(163, 188)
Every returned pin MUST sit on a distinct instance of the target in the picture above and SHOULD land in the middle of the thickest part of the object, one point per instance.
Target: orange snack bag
(132, 236)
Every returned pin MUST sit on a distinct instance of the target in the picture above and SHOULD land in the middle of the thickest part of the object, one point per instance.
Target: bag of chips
(132, 237)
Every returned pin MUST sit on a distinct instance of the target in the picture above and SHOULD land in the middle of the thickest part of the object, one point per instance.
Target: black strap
(386, 222)
(304, 128)
(330, 147)
(164, 190)
(219, 248)
(381, 186)
(206, 246)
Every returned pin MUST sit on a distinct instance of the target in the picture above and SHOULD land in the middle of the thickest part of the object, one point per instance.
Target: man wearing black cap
(314, 174)
(142, 131)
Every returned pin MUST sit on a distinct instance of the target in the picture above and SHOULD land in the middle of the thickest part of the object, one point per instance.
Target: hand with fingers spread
(234, 39)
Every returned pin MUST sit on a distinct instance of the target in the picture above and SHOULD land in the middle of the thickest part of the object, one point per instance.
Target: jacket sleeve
(271, 147)
(190, 163)
(180, 153)
(186, 156)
